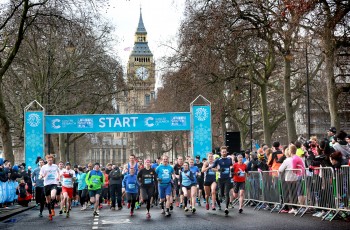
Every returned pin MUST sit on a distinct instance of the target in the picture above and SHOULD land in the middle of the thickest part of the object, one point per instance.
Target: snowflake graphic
(201, 114)
(34, 141)
(202, 134)
(33, 120)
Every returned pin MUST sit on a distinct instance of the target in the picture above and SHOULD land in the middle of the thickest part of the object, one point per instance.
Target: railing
(320, 189)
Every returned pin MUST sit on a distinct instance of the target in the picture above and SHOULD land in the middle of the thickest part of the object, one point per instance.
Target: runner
(82, 188)
(165, 172)
(68, 178)
(223, 165)
(200, 179)
(178, 191)
(187, 180)
(131, 187)
(49, 173)
(59, 198)
(115, 185)
(209, 181)
(239, 172)
(196, 172)
(95, 180)
(146, 178)
(39, 187)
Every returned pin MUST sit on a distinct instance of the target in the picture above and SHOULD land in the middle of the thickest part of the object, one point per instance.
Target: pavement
(12, 210)
(202, 219)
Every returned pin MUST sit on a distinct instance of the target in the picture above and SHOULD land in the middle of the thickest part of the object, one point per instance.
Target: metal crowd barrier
(270, 185)
(253, 190)
(342, 194)
(293, 189)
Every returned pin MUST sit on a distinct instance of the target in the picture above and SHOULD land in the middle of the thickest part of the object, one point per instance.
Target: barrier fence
(321, 189)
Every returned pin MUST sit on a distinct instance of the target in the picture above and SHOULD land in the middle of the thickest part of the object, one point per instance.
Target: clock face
(142, 73)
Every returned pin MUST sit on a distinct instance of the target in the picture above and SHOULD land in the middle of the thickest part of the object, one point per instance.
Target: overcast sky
(161, 18)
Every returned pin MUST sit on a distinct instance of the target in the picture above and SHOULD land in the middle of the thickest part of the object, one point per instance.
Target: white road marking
(125, 221)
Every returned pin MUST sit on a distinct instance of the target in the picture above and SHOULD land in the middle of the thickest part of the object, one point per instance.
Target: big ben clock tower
(140, 72)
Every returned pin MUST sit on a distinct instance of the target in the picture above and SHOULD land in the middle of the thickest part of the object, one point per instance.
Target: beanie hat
(15, 168)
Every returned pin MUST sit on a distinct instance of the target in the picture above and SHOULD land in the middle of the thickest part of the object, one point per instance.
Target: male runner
(39, 187)
(178, 191)
(223, 165)
(200, 179)
(165, 172)
(59, 198)
(95, 180)
(49, 173)
(68, 177)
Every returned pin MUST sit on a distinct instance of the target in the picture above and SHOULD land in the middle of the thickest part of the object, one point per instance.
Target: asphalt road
(202, 219)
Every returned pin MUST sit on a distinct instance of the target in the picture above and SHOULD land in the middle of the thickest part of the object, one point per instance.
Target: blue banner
(34, 136)
(100, 123)
(201, 130)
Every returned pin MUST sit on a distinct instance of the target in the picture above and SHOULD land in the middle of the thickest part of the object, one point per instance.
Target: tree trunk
(264, 115)
(292, 134)
(332, 94)
(5, 132)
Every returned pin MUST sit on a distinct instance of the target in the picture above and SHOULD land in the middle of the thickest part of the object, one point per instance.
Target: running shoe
(167, 214)
(96, 213)
(171, 207)
(100, 206)
(50, 217)
(292, 211)
(177, 204)
(207, 206)
(120, 208)
(220, 207)
(193, 210)
(60, 212)
(53, 212)
(83, 208)
(129, 205)
(112, 208)
(180, 206)
(230, 205)
(284, 211)
(148, 216)
(40, 214)
(226, 212)
(123, 203)
(163, 211)
(64, 209)
(67, 215)
(240, 210)
(213, 208)
(131, 213)
(186, 209)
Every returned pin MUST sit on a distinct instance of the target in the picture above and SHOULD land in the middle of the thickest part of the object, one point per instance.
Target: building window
(147, 99)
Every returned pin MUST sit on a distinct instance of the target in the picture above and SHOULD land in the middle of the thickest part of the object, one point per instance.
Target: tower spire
(141, 27)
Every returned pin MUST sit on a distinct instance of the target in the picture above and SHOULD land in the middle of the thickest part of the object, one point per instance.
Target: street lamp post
(308, 93)
(251, 116)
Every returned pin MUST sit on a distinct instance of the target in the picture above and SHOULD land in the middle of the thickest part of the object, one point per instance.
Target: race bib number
(227, 171)
(95, 181)
(147, 181)
(241, 174)
(132, 186)
(67, 182)
(51, 176)
(211, 172)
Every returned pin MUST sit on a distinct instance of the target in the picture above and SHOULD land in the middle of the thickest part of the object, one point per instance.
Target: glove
(91, 186)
